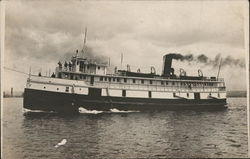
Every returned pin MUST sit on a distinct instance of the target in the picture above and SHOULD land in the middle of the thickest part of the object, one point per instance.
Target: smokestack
(167, 63)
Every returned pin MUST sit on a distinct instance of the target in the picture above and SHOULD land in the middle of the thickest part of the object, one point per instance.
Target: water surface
(117, 134)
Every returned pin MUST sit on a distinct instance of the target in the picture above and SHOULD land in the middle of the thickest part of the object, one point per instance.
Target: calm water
(125, 134)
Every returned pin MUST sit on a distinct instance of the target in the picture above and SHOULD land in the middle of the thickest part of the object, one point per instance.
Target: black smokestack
(167, 63)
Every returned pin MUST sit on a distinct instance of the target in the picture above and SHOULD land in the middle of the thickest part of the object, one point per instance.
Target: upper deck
(95, 75)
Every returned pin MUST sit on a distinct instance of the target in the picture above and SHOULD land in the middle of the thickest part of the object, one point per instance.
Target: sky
(40, 33)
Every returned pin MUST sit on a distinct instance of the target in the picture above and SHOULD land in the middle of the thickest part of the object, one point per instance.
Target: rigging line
(11, 69)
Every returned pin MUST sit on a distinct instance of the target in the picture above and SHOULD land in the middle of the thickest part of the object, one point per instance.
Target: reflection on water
(125, 134)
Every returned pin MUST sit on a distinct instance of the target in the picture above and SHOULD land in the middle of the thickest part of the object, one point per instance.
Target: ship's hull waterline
(70, 103)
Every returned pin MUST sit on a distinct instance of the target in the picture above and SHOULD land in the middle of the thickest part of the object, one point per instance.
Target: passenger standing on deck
(65, 65)
(53, 75)
(60, 65)
(70, 65)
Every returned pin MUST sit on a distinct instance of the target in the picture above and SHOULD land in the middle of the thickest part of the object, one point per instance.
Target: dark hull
(67, 103)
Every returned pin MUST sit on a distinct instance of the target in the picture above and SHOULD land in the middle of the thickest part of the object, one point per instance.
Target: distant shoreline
(236, 94)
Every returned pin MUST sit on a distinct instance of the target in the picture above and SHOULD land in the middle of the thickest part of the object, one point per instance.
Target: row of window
(66, 89)
(142, 81)
(190, 84)
(116, 79)
(124, 93)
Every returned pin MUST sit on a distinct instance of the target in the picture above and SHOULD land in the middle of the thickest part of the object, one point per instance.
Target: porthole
(44, 87)
(57, 89)
(67, 89)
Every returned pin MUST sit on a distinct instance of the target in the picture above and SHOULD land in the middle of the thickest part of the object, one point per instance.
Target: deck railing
(160, 87)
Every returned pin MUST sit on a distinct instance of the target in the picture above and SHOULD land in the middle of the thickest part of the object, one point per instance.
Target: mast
(219, 69)
(121, 60)
(84, 42)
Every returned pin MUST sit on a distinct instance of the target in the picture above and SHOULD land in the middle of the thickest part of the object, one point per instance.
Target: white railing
(158, 88)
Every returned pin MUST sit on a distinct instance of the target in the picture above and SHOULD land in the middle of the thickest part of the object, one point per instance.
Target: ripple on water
(118, 134)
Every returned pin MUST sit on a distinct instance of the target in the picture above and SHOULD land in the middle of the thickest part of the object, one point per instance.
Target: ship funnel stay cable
(11, 69)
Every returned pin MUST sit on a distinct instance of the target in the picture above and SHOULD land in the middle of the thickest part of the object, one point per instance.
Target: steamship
(86, 83)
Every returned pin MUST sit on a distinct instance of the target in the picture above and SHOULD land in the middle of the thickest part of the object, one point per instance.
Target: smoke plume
(225, 61)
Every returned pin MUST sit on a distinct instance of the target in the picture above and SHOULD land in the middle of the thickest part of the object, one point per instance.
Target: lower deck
(68, 102)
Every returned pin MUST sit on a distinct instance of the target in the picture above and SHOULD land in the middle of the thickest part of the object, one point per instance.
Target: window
(197, 96)
(67, 89)
(57, 89)
(167, 83)
(173, 83)
(105, 78)
(84, 77)
(133, 80)
(188, 95)
(218, 95)
(101, 78)
(151, 82)
(125, 80)
(124, 93)
(142, 81)
(113, 79)
(149, 94)
(109, 79)
(174, 95)
(118, 79)
(44, 87)
(98, 67)
(162, 83)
